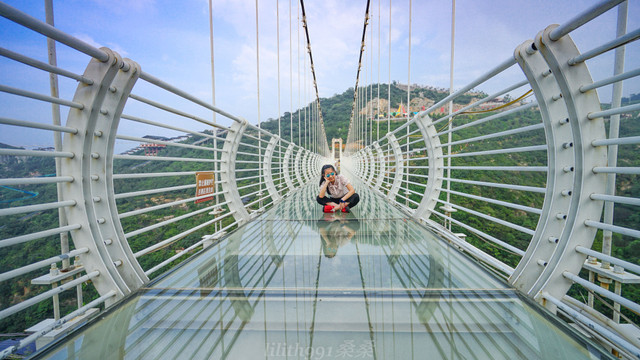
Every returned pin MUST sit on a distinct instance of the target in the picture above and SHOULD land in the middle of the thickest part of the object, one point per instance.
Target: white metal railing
(528, 186)
(130, 214)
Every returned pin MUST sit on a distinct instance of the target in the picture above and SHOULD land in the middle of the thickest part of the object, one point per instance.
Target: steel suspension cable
(449, 137)
(311, 65)
(355, 93)
(298, 75)
(258, 95)
(389, 85)
(378, 108)
(371, 84)
(280, 169)
(278, 60)
(216, 182)
(408, 93)
(304, 99)
(290, 78)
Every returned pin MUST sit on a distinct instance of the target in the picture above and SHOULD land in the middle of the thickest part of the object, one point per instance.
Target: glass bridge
(299, 283)
(504, 228)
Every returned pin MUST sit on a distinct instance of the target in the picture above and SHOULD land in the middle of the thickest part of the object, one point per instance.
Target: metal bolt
(97, 199)
(97, 133)
(561, 216)
(557, 97)
(564, 121)
(117, 262)
(104, 111)
(531, 49)
(553, 239)
(53, 271)
(542, 262)
(101, 221)
(95, 155)
(546, 73)
(95, 177)
(568, 169)
(567, 145)
(566, 192)
(108, 242)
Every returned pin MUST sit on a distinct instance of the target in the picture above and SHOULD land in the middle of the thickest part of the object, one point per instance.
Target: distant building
(152, 149)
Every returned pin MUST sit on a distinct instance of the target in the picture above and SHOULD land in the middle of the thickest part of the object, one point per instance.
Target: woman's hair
(325, 167)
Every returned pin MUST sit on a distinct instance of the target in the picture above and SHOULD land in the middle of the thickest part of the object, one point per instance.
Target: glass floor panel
(296, 283)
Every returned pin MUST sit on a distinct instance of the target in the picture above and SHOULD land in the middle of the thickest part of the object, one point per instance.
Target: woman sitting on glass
(336, 193)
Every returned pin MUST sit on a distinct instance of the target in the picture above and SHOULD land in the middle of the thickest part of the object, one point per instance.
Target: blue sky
(170, 40)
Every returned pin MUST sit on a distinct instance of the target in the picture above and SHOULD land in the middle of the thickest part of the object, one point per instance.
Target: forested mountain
(336, 110)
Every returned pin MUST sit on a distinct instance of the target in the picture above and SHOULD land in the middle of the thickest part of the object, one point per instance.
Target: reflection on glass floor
(297, 283)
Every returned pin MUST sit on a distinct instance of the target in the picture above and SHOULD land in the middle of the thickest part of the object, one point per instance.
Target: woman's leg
(353, 200)
(325, 201)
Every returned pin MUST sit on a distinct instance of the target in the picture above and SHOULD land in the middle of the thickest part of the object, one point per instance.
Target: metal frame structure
(566, 187)
(109, 214)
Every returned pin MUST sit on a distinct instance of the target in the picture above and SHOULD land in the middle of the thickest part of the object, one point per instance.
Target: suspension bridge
(481, 233)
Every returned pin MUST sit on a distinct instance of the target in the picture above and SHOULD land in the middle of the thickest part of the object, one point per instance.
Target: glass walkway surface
(297, 283)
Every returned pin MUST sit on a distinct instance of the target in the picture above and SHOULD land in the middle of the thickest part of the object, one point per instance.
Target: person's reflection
(336, 230)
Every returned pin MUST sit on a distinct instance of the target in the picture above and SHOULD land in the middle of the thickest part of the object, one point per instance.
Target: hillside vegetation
(336, 111)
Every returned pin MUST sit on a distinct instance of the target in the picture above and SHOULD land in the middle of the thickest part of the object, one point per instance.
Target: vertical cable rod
(290, 78)
(378, 109)
(298, 75)
(258, 94)
(354, 124)
(408, 96)
(371, 84)
(389, 85)
(278, 60)
(213, 102)
(453, 36)
(57, 136)
(614, 130)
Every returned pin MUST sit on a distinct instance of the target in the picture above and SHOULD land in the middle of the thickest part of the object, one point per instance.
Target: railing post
(365, 166)
(297, 166)
(268, 176)
(307, 166)
(399, 173)
(359, 164)
(228, 172)
(382, 166)
(436, 166)
(570, 179)
(287, 163)
(372, 165)
(96, 211)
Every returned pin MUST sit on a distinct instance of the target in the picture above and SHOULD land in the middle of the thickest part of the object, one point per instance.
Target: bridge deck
(297, 283)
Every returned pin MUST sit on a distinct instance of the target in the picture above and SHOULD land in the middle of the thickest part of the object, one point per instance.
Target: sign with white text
(205, 184)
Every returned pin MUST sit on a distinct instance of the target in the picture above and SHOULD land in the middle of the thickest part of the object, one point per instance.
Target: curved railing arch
(112, 215)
